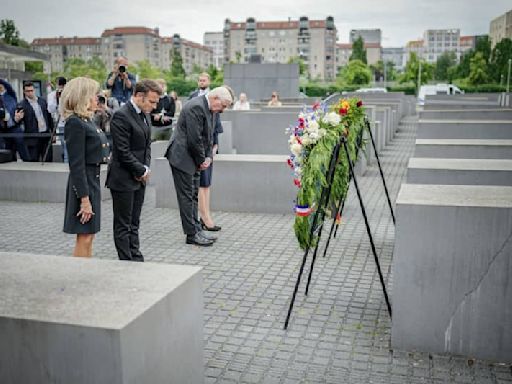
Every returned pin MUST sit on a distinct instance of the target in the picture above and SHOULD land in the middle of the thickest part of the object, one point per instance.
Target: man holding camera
(53, 108)
(120, 81)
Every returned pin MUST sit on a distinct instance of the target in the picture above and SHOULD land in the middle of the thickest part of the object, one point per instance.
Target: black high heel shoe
(215, 228)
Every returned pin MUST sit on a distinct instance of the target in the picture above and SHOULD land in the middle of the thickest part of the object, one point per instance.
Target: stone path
(340, 333)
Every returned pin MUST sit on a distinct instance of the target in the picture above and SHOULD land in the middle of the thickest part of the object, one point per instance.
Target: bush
(480, 88)
(408, 89)
(181, 86)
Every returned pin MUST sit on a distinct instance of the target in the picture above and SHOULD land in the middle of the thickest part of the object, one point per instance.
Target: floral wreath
(312, 142)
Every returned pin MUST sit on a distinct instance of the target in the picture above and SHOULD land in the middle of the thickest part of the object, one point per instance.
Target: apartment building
(370, 36)
(215, 41)
(344, 51)
(134, 43)
(60, 49)
(394, 55)
(314, 41)
(501, 28)
(438, 41)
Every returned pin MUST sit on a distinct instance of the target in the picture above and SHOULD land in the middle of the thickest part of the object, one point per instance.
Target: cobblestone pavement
(339, 333)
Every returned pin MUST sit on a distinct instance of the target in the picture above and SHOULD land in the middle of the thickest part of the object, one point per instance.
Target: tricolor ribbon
(303, 210)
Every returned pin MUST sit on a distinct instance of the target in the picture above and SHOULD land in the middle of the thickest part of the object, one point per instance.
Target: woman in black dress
(88, 148)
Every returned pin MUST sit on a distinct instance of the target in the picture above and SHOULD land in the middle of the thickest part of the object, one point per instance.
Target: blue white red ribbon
(303, 210)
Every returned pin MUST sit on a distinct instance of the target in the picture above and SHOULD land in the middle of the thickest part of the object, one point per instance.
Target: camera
(19, 109)
(101, 99)
(122, 69)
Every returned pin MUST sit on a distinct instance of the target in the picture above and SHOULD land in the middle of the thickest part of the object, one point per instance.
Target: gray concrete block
(468, 114)
(226, 138)
(241, 183)
(38, 182)
(464, 148)
(458, 105)
(469, 129)
(459, 171)
(73, 320)
(452, 289)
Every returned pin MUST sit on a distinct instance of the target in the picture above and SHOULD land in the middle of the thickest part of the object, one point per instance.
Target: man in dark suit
(128, 170)
(32, 111)
(190, 151)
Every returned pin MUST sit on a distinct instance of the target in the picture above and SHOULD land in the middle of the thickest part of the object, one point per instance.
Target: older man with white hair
(190, 151)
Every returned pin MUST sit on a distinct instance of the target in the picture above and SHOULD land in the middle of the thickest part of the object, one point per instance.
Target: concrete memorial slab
(467, 129)
(464, 148)
(36, 182)
(241, 183)
(82, 321)
(452, 288)
(468, 114)
(459, 171)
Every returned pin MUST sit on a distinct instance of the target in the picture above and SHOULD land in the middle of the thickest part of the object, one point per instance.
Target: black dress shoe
(207, 236)
(215, 228)
(198, 240)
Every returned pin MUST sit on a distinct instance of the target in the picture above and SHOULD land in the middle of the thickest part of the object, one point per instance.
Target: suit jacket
(30, 119)
(131, 149)
(192, 140)
(87, 145)
(217, 126)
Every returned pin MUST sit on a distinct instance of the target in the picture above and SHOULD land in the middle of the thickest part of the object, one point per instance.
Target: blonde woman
(88, 148)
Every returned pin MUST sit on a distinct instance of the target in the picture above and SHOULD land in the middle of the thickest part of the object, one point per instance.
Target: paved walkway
(340, 333)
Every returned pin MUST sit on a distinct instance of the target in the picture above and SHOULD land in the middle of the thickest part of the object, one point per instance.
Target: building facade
(501, 28)
(313, 41)
(438, 41)
(394, 55)
(60, 49)
(370, 36)
(215, 41)
(344, 51)
(134, 43)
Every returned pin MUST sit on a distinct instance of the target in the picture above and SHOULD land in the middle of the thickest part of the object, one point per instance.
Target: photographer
(120, 81)
(103, 114)
(161, 116)
(53, 108)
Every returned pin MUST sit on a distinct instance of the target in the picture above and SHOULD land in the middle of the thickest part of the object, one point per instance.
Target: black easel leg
(380, 170)
(363, 210)
(334, 224)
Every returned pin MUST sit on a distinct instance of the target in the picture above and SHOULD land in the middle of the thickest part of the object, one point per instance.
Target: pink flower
(316, 106)
(296, 182)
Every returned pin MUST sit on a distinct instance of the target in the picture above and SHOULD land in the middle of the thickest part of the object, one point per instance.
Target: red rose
(296, 182)
(343, 111)
(316, 106)
(359, 103)
(290, 163)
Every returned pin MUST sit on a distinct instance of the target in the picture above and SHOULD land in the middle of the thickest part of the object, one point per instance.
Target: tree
(444, 63)
(10, 34)
(412, 69)
(303, 69)
(177, 69)
(478, 70)
(358, 51)
(355, 73)
(93, 68)
(500, 55)
(483, 44)
(216, 75)
(145, 70)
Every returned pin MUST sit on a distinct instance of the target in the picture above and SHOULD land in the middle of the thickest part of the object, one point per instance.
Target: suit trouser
(127, 207)
(187, 189)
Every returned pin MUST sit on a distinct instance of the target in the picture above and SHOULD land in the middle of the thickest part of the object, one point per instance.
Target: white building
(501, 28)
(438, 41)
(215, 41)
(370, 36)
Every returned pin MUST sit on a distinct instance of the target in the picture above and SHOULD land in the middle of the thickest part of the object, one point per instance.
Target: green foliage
(10, 34)
(182, 86)
(412, 68)
(444, 63)
(408, 89)
(379, 68)
(93, 68)
(480, 88)
(303, 68)
(478, 70)
(145, 70)
(33, 66)
(358, 51)
(177, 70)
(216, 75)
(356, 72)
(483, 44)
(500, 56)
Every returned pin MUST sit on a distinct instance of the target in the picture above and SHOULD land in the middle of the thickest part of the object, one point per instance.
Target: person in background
(53, 108)
(33, 113)
(161, 116)
(177, 103)
(120, 81)
(274, 100)
(88, 148)
(103, 114)
(242, 104)
(9, 126)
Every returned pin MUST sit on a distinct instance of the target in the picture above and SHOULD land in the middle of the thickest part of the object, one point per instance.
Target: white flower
(314, 135)
(332, 118)
(296, 149)
(313, 126)
(306, 140)
(322, 132)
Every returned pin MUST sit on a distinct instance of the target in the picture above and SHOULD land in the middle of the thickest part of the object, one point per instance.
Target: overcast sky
(399, 20)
